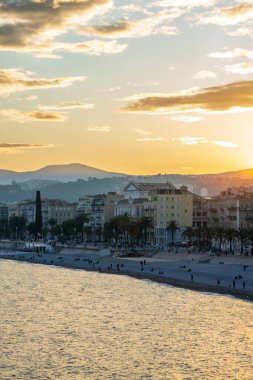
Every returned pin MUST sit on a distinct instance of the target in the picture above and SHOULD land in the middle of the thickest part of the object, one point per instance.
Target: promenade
(197, 271)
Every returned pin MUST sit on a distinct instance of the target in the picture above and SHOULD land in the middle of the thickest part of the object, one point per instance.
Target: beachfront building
(83, 205)
(172, 214)
(134, 208)
(58, 210)
(200, 212)
(111, 200)
(232, 208)
(142, 190)
(97, 214)
(51, 209)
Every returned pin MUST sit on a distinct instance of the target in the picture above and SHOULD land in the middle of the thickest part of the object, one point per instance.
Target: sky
(138, 87)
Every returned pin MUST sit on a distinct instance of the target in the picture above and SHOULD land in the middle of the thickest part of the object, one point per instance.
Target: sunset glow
(127, 86)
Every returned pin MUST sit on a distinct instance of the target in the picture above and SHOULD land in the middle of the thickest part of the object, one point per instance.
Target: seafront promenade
(197, 271)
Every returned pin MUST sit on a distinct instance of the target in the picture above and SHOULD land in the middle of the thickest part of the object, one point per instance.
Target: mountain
(70, 182)
(64, 173)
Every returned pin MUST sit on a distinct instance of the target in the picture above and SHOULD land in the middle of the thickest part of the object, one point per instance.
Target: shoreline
(131, 268)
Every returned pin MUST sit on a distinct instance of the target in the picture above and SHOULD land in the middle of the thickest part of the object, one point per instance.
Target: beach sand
(231, 275)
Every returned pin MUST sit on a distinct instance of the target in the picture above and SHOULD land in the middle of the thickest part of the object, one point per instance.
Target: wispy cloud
(205, 74)
(14, 148)
(141, 131)
(233, 53)
(190, 140)
(184, 3)
(233, 97)
(225, 144)
(103, 129)
(242, 68)
(21, 117)
(188, 118)
(225, 16)
(149, 139)
(156, 23)
(14, 80)
(69, 106)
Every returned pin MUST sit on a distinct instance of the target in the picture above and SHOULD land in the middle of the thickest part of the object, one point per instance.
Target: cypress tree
(38, 216)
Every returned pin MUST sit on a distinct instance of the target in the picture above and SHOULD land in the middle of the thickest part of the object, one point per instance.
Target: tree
(173, 227)
(17, 226)
(4, 228)
(145, 224)
(69, 228)
(189, 234)
(80, 222)
(230, 236)
(250, 236)
(242, 235)
(219, 234)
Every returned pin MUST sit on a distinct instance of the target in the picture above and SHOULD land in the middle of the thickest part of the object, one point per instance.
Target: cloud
(21, 117)
(225, 144)
(141, 131)
(189, 140)
(238, 14)
(95, 47)
(149, 139)
(188, 118)
(204, 74)
(31, 97)
(156, 23)
(240, 68)
(233, 97)
(14, 80)
(69, 106)
(34, 25)
(184, 3)
(23, 145)
(234, 53)
(14, 148)
(103, 129)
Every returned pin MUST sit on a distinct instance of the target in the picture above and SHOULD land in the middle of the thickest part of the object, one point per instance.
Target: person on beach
(218, 282)
(191, 277)
(234, 284)
(243, 284)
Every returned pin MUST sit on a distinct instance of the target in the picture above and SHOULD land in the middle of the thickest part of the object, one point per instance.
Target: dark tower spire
(38, 216)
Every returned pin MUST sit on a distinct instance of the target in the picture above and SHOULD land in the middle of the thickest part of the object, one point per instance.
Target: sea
(58, 323)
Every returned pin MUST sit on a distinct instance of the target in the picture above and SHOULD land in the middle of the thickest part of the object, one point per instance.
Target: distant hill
(64, 173)
(70, 182)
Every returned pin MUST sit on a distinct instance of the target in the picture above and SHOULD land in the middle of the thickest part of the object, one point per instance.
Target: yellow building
(172, 214)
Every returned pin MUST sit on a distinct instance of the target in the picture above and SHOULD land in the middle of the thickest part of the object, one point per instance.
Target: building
(51, 209)
(110, 203)
(200, 212)
(139, 190)
(172, 207)
(232, 208)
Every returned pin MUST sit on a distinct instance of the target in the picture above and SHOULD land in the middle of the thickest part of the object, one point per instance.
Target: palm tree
(230, 236)
(189, 233)
(173, 227)
(242, 234)
(144, 225)
(219, 235)
(250, 236)
(208, 235)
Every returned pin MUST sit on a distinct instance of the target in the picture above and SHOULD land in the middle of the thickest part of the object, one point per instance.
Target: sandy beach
(232, 275)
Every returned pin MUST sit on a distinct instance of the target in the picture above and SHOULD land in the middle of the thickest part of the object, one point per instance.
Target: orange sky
(129, 86)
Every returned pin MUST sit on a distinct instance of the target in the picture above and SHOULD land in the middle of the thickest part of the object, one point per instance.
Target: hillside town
(157, 214)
